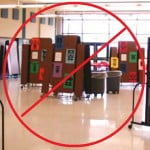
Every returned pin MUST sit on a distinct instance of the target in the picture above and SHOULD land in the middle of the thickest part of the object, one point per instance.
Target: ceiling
(139, 6)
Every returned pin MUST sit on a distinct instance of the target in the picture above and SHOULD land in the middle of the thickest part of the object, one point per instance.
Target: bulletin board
(128, 56)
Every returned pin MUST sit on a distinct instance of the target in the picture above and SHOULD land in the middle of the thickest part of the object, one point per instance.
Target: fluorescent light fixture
(8, 6)
(31, 6)
(22, 6)
(97, 1)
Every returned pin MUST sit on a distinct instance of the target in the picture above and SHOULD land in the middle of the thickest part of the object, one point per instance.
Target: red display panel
(35, 44)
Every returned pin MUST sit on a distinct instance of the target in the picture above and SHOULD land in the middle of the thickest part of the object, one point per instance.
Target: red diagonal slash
(72, 73)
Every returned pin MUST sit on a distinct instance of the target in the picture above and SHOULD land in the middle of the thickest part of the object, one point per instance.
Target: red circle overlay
(18, 116)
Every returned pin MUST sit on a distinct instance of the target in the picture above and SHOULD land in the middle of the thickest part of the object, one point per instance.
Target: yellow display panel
(114, 63)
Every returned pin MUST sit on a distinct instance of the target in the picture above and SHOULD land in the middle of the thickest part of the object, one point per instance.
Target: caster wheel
(42, 95)
(28, 85)
(79, 97)
(130, 126)
(75, 98)
(55, 94)
(88, 96)
(95, 95)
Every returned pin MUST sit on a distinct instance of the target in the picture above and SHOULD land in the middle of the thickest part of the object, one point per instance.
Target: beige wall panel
(9, 26)
(32, 29)
(47, 30)
(58, 25)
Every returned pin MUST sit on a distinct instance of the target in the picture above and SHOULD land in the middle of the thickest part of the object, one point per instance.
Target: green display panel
(70, 56)
(34, 67)
(133, 57)
(69, 83)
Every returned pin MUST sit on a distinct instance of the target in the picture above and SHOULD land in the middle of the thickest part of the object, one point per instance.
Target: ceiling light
(8, 6)
(31, 6)
(22, 6)
(139, 4)
(107, 5)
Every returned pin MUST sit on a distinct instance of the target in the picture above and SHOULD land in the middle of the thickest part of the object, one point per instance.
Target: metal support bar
(134, 99)
(3, 138)
(133, 103)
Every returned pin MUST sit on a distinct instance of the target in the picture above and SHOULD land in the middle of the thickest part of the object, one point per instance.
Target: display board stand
(147, 98)
(133, 103)
(2, 107)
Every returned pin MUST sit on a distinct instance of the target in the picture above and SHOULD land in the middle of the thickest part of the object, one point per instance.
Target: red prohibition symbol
(20, 116)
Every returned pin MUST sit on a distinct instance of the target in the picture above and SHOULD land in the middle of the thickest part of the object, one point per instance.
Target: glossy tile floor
(61, 120)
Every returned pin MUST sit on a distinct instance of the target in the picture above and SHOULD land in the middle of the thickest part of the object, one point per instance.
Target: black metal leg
(134, 99)
(133, 122)
(3, 142)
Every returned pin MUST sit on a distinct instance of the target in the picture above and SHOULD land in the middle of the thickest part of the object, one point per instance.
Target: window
(15, 14)
(42, 20)
(34, 19)
(100, 28)
(50, 21)
(4, 13)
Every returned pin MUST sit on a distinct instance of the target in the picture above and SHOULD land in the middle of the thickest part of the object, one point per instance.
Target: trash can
(113, 81)
(98, 83)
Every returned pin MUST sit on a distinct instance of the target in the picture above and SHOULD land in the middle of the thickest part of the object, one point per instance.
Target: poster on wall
(123, 57)
(34, 67)
(34, 55)
(114, 62)
(58, 56)
(57, 70)
(70, 56)
(68, 83)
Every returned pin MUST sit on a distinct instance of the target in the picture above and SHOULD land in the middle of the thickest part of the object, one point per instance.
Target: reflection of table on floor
(113, 81)
(98, 82)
